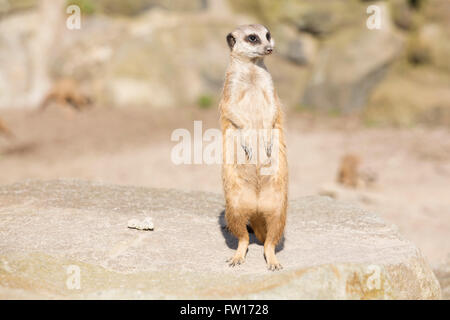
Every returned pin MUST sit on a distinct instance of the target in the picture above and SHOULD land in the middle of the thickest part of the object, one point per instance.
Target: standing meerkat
(249, 103)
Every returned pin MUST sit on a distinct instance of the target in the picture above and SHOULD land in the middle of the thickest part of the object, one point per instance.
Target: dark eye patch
(268, 36)
(253, 39)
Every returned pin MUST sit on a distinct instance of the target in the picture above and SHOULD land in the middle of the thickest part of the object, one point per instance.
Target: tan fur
(348, 171)
(5, 130)
(66, 92)
(249, 101)
(351, 174)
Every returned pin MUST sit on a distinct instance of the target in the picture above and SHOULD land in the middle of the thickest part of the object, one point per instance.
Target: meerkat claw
(274, 267)
(269, 150)
(248, 152)
(235, 261)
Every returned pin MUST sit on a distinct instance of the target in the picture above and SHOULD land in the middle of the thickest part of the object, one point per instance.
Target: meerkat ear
(231, 41)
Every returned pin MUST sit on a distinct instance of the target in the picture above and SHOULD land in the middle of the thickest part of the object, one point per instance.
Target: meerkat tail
(258, 224)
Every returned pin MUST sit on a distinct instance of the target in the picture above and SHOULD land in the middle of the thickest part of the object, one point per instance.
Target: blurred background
(367, 110)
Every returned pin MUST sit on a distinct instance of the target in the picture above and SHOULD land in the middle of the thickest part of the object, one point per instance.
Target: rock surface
(442, 273)
(51, 232)
(333, 87)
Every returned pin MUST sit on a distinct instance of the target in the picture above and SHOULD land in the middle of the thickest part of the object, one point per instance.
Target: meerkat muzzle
(268, 50)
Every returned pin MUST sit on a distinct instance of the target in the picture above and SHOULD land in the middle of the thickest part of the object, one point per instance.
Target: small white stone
(146, 224)
(133, 223)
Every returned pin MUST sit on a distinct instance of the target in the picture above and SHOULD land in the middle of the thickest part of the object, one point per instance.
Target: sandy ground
(133, 147)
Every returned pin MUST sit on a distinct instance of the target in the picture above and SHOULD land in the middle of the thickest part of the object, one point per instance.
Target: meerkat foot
(241, 251)
(236, 260)
(274, 266)
(272, 261)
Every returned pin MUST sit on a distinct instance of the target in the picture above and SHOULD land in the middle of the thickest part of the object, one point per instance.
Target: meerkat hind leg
(271, 258)
(239, 256)
(241, 204)
(258, 224)
(273, 209)
(274, 232)
(237, 224)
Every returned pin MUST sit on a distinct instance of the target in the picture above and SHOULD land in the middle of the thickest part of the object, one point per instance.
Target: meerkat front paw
(235, 260)
(268, 148)
(246, 143)
(265, 154)
(248, 152)
(267, 143)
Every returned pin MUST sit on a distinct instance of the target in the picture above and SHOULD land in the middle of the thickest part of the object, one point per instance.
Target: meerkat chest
(254, 99)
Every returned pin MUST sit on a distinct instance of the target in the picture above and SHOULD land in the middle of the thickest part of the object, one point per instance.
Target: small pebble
(146, 224)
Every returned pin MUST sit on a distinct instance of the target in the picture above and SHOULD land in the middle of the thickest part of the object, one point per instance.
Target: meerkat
(5, 130)
(350, 173)
(250, 102)
(66, 92)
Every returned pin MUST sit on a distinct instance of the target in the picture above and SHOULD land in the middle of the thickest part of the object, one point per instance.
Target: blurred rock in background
(168, 53)
(167, 59)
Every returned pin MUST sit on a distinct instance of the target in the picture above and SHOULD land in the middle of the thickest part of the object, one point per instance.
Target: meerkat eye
(268, 36)
(253, 38)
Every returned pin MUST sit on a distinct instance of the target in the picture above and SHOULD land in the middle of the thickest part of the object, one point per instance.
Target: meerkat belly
(256, 109)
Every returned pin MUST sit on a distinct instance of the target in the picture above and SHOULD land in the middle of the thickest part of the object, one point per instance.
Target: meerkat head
(250, 41)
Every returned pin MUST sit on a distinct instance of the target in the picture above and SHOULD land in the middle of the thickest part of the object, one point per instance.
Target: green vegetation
(132, 7)
(205, 101)
(86, 6)
(114, 7)
(300, 107)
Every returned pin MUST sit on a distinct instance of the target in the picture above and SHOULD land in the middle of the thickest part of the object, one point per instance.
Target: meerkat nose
(268, 50)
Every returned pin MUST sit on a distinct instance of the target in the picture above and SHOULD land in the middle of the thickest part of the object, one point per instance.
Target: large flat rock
(331, 250)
